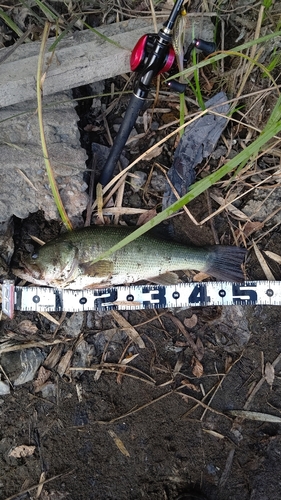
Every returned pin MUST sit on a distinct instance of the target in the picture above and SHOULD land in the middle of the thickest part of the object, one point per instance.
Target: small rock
(219, 152)
(232, 339)
(158, 182)
(21, 366)
(4, 388)
(6, 240)
(137, 180)
(49, 391)
(73, 325)
(83, 355)
(135, 201)
(97, 89)
(24, 187)
(262, 204)
(117, 126)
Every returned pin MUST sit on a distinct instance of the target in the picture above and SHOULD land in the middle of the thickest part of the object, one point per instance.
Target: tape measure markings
(182, 295)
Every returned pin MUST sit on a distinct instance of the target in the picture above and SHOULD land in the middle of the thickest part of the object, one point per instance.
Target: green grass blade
(222, 55)
(46, 11)
(62, 35)
(103, 37)
(50, 173)
(10, 23)
(272, 128)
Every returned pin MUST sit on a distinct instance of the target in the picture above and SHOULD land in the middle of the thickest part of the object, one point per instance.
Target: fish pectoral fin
(100, 269)
(168, 278)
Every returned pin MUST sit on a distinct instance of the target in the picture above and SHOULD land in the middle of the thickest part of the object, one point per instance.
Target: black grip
(206, 47)
(177, 86)
(133, 109)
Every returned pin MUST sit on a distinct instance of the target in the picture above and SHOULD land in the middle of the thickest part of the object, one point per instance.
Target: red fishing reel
(142, 51)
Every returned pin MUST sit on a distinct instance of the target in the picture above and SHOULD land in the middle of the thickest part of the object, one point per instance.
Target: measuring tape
(124, 298)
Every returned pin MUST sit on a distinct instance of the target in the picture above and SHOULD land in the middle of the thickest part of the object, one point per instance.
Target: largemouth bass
(67, 261)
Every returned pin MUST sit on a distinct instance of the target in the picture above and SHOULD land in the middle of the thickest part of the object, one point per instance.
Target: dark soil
(171, 444)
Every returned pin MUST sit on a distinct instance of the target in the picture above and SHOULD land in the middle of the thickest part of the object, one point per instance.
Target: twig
(31, 488)
(136, 410)
(109, 367)
(142, 407)
(227, 468)
(220, 383)
(259, 385)
(16, 44)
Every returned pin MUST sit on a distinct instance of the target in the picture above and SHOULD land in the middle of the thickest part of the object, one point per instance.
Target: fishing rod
(152, 55)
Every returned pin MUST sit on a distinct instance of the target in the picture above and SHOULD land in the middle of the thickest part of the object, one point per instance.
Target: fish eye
(34, 256)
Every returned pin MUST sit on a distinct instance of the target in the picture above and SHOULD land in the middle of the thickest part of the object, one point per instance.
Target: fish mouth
(31, 272)
(27, 271)
(32, 269)
(20, 273)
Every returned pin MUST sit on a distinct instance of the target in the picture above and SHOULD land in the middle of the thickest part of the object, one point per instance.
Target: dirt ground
(154, 435)
(109, 418)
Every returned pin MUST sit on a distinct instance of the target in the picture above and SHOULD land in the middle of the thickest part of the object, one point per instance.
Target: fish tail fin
(225, 263)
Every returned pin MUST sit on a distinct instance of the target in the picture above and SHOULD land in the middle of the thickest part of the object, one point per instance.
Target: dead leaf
(181, 327)
(269, 374)
(191, 322)
(146, 216)
(119, 377)
(153, 153)
(42, 377)
(53, 495)
(197, 367)
(128, 328)
(146, 118)
(22, 451)
(178, 366)
(64, 363)
(231, 208)
(199, 352)
(228, 363)
(41, 484)
(214, 433)
(122, 368)
(79, 391)
(128, 359)
(255, 415)
(190, 386)
(251, 227)
(49, 317)
(27, 327)
(273, 256)
(54, 356)
(178, 343)
(263, 263)
(185, 397)
(119, 443)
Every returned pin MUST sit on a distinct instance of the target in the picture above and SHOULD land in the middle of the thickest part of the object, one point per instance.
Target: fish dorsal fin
(168, 278)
